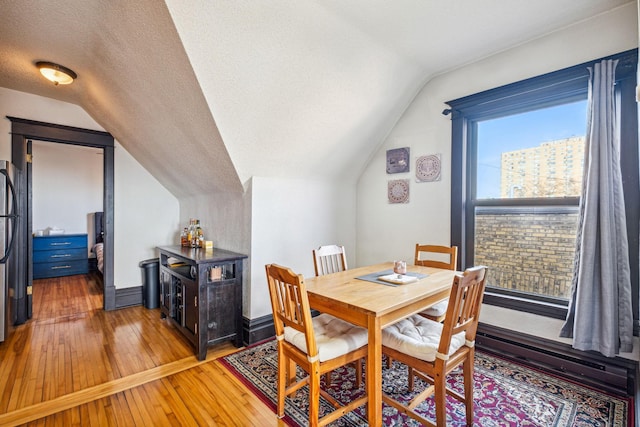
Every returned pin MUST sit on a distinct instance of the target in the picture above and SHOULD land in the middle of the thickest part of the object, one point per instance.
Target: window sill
(541, 308)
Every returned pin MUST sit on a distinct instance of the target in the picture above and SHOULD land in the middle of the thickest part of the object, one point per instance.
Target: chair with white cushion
(329, 259)
(435, 256)
(432, 350)
(424, 256)
(318, 345)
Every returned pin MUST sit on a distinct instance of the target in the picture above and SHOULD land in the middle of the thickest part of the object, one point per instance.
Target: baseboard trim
(615, 375)
(126, 297)
(258, 329)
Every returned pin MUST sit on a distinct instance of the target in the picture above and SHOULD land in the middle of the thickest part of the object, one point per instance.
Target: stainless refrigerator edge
(8, 224)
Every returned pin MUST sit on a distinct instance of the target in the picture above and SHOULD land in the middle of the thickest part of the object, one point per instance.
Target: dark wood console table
(201, 293)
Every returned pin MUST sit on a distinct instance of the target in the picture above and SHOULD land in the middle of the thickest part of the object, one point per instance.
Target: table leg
(374, 373)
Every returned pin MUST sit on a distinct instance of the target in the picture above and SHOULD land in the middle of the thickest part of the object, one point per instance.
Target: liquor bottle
(200, 235)
(184, 237)
(194, 234)
(190, 233)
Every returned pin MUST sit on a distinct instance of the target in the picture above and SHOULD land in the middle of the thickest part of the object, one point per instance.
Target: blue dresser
(62, 255)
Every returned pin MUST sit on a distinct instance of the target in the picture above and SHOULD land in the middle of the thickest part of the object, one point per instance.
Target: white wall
(145, 216)
(275, 221)
(288, 219)
(67, 187)
(387, 232)
(145, 213)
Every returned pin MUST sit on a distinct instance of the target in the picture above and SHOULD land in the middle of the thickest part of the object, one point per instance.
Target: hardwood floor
(74, 364)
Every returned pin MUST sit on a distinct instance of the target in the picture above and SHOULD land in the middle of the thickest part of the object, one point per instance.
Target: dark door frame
(23, 130)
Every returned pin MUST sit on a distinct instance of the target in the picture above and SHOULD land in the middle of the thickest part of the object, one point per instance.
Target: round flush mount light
(58, 74)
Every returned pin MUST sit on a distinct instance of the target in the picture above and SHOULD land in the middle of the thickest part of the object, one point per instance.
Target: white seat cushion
(334, 337)
(419, 337)
(438, 309)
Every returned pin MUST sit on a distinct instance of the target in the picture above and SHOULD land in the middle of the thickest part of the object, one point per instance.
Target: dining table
(358, 296)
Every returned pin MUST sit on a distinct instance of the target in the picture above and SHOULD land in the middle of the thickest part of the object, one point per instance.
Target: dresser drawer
(65, 241)
(61, 268)
(60, 255)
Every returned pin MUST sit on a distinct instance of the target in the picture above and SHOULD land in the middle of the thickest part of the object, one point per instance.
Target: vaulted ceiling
(205, 94)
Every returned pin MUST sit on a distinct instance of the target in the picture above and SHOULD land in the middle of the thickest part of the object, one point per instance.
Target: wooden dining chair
(424, 256)
(437, 311)
(432, 350)
(318, 345)
(329, 259)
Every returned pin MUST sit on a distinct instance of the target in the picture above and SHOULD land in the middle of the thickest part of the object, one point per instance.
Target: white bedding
(97, 249)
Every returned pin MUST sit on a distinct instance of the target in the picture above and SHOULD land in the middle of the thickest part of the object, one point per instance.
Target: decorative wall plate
(428, 168)
(398, 191)
(398, 160)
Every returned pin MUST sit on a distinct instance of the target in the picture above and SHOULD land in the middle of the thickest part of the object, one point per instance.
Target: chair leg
(314, 395)
(283, 381)
(468, 386)
(327, 379)
(291, 372)
(410, 378)
(358, 366)
(440, 398)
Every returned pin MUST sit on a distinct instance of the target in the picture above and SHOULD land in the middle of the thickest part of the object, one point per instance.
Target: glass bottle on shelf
(184, 237)
(190, 231)
(199, 235)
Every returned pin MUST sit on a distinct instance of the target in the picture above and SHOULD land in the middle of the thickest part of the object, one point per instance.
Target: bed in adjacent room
(99, 237)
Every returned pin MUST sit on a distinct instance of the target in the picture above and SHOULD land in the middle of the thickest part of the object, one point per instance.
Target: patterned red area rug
(505, 394)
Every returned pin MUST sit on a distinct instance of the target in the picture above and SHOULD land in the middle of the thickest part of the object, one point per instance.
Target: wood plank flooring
(74, 364)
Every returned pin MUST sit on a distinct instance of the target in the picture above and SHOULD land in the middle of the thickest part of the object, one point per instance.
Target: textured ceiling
(206, 94)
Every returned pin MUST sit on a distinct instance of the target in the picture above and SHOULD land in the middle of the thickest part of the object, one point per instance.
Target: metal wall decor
(398, 191)
(428, 168)
(398, 160)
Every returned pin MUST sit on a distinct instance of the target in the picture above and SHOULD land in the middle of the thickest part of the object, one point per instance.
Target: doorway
(22, 131)
(66, 183)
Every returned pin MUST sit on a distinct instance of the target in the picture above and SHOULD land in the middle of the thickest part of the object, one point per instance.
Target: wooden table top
(376, 299)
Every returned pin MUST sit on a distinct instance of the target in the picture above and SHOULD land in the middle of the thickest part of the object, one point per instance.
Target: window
(530, 249)
(517, 162)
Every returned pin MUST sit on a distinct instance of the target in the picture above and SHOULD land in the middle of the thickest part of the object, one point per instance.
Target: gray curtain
(600, 316)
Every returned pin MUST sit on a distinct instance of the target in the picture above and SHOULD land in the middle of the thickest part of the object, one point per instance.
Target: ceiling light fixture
(58, 74)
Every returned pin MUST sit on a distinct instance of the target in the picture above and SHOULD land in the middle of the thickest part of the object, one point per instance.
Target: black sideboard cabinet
(201, 293)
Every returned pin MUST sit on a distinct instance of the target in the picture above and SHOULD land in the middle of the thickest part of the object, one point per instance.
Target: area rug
(505, 394)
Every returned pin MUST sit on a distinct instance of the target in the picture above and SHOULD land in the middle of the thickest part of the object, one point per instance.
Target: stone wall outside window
(527, 251)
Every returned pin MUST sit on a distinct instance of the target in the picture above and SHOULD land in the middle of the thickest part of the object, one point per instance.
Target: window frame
(563, 86)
